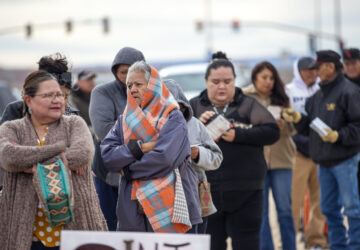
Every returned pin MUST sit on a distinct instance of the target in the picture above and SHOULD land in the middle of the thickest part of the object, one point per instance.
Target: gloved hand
(331, 137)
(290, 115)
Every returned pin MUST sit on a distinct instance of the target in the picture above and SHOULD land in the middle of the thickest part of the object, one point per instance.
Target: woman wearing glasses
(237, 186)
(57, 65)
(43, 136)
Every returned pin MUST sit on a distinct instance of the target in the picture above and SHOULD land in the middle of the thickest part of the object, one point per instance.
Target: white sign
(90, 240)
(275, 111)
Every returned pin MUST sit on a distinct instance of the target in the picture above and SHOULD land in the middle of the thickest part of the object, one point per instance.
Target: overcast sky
(165, 29)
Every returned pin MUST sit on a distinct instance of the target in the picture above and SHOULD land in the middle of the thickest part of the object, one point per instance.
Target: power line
(69, 24)
(312, 35)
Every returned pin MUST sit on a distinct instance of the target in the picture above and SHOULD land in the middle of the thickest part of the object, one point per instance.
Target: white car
(191, 77)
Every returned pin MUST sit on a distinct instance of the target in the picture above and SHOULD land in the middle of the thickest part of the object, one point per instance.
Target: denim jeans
(193, 230)
(108, 198)
(279, 180)
(202, 226)
(339, 189)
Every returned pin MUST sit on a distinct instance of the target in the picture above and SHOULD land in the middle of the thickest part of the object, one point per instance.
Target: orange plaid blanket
(156, 196)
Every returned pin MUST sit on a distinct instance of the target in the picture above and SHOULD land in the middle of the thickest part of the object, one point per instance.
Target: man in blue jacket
(337, 152)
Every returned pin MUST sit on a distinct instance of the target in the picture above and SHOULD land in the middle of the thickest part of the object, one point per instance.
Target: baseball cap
(327, 56)
(306, 63)
(351, 54)
(84, 75)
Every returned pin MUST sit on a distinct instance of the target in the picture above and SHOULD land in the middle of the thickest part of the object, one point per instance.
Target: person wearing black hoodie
(107, 102)
(237, 186)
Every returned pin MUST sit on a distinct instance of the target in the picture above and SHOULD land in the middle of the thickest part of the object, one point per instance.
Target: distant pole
(318, 23)
(209, 29)
(337, 15)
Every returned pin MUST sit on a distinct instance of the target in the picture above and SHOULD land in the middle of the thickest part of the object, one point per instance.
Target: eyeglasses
(52, 96)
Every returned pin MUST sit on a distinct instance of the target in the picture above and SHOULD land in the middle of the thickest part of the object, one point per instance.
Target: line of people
(336, 152)
(148, 148)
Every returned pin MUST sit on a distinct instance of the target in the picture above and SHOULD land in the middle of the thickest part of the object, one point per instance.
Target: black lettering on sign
(177, 246)
(142, 248)
(128, 244)
(93, 246)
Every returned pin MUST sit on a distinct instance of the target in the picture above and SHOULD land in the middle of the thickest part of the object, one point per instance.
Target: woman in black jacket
(237, 186)
(59, 67)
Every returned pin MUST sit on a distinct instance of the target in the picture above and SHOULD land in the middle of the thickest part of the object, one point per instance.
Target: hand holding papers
(275, 111)
(319, 126)
(324, 131)
(216, 125)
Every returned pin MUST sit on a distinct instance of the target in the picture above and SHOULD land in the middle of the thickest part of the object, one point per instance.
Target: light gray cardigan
(210, 155)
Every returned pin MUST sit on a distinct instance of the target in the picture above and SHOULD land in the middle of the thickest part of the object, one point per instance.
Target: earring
(30, 111)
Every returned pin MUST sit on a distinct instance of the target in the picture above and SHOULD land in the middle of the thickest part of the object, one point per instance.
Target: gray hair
(140, 66)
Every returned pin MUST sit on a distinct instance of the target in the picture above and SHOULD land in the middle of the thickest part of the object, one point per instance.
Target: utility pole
(105, 25)
(337, 15)
(209, 29)
(318, 23)
(28, 30)
(69, 26)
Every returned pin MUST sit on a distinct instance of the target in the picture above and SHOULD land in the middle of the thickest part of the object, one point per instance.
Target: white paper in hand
(275, 111)
(319, 126)
(220, 122)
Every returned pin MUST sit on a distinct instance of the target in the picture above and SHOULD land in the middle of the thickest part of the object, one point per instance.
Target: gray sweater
(210, 155)
(108, 102)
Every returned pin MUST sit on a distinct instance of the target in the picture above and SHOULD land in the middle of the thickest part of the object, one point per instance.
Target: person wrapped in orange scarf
(149, 144)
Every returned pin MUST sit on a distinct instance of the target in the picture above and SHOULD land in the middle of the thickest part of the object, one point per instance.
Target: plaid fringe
(181, 212)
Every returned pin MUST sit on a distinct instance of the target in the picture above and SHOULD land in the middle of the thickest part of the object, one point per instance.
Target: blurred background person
(305, 176)
(81, 92)
(107, 103)
(43, 136)
(237, 186)
(205, 153)
(59, 67)
(268, 89)
(351, 61)
(6, 96)
(337, 152)
(149, 144)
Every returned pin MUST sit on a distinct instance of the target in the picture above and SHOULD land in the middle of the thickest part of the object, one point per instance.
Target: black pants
(239, 216)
